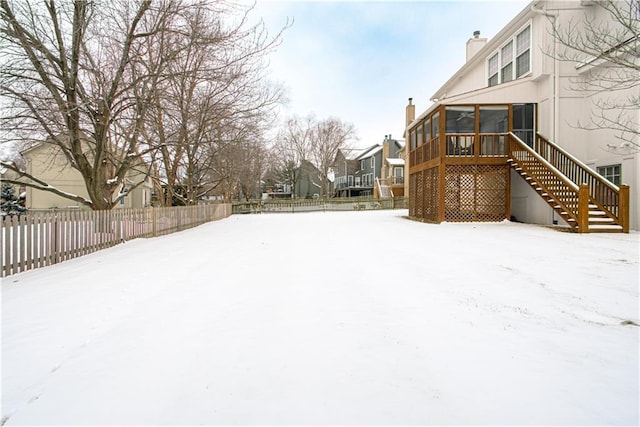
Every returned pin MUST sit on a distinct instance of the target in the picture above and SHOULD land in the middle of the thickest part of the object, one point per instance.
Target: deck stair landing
(594, 205)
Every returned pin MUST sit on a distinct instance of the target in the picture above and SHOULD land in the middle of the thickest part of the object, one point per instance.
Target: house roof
(370, 151)
(395, 162)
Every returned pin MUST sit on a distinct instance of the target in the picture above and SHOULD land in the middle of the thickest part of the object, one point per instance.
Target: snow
(395, 162)
(329, 318)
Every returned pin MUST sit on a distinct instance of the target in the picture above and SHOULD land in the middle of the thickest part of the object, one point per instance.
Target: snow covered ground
(329, 318)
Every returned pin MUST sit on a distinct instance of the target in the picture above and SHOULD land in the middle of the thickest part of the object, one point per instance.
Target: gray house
(357, 172)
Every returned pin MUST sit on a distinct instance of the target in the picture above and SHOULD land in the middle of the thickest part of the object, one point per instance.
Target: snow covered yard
(329, 318)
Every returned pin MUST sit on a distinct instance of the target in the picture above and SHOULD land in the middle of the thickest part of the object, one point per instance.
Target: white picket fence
(39, 239)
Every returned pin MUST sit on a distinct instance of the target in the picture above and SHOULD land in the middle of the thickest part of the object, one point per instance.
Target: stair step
(605, 228)
(600, 220)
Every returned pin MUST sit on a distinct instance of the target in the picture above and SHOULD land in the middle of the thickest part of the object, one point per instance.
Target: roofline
(491, 45)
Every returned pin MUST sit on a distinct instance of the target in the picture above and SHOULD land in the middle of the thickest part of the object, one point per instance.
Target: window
(427, 129)
(435, 128)
(612, 173)
(419, 137)
(413, 139)
(523, 60)
(506, 54)
(500, 65)
(362, 164)
(493, 119)
(373, 163)
(460, 119)
(492, 68)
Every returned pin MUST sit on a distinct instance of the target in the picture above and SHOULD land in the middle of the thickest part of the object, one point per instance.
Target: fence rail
(38, 239)
(318, 205)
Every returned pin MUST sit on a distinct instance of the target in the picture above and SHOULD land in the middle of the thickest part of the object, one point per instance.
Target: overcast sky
(361, 61)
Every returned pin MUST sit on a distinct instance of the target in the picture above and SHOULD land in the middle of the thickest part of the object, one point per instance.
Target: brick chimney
(475, 44)
(410, 112)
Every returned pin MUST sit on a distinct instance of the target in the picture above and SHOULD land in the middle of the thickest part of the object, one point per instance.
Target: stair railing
(521, 152)
(610, 198)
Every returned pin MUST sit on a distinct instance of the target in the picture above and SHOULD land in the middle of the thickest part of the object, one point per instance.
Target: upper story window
(362, 164)
(523, 52)
(373, 162)
(500, 64)
(493, 70)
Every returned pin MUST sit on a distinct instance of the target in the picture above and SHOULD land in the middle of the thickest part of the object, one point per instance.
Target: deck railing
(38, 239)
(610, 198)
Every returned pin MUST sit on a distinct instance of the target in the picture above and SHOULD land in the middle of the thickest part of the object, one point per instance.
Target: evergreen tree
(10, 205)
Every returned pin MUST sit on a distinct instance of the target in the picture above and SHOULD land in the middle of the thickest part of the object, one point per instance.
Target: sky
(329, 318)
(360, 61)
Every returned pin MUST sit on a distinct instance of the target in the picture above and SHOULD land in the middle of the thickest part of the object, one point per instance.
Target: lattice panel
(431, 194)
(412, 194)
(419, 195)
(475, 192)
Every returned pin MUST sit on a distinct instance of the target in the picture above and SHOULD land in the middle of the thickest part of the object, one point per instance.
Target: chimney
(475, 44)
(410, 112)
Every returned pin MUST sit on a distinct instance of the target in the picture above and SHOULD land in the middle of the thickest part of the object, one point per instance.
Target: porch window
(523, 122)
(419, 136)
(611, 172)
(427, 129)
(523, 52)
(493, 125)
(435, 125)
(492, 70)
(460, 119)
(506, 55)
(460, 128)
(413, 140)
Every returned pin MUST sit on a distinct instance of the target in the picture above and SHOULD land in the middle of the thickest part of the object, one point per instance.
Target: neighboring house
(308, 185)
(47, 163)
(501, 138)
(370, 172)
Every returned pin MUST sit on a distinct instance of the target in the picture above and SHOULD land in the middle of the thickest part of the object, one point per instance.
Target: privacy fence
(38, 239)
(318, 205)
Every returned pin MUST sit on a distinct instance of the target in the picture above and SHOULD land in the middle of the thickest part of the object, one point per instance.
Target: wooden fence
(318, 205)
(38, 239)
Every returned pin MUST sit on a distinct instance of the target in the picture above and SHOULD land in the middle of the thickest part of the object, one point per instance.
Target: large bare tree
(133, 85)
(69, 80)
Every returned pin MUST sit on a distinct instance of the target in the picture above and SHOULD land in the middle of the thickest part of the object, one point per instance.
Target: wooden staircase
(384, 190)
(587, 202)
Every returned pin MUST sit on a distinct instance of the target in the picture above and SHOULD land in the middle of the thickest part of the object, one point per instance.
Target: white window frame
(362, 164)
(604, 172)
(514, 57)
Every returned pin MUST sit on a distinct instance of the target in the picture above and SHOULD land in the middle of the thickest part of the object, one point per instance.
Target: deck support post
(623, 213)
(583, 208)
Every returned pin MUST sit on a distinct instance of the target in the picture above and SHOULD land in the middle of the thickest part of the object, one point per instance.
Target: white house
(467, 149)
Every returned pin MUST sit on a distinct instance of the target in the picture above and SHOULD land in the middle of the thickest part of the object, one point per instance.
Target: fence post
(55, 238)
(583, 208)
(623, 212)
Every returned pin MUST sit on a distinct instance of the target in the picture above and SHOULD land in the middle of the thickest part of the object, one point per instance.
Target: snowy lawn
(329, 318)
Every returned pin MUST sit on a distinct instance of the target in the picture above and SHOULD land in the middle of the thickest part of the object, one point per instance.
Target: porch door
(524, 122)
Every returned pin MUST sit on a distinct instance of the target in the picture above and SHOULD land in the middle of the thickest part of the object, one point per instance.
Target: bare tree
(68, 79)
(216, 89)
(329, 136)
(133, 85)
(605, 43)
(293, 147)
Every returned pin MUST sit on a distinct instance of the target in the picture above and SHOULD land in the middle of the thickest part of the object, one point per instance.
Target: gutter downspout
(556, 74)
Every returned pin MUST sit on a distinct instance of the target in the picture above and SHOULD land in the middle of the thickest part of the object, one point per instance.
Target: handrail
(544, 161)
(578, 162)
